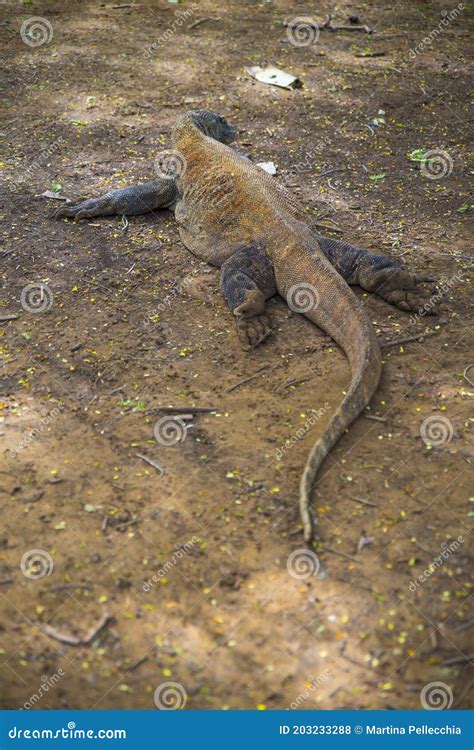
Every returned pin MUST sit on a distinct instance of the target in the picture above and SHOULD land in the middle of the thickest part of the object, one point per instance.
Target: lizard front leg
(129, 201)
(247, 280)
(381, 275)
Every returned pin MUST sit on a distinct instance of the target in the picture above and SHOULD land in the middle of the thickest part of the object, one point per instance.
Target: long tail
(362, 350)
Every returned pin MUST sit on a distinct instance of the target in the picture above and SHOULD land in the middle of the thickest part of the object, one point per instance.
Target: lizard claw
(252, 331)
(86, 210)
(253, 326)
(403, 289)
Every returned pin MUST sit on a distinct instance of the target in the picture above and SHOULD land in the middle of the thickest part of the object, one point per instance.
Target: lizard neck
(186, 134)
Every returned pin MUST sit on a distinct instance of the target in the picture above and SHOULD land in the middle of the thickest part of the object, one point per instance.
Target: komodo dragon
(234, 215)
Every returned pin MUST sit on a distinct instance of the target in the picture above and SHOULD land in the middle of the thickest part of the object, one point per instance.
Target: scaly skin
(234, 215)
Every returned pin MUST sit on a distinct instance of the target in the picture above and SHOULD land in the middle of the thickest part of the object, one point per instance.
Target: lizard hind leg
(247, 281)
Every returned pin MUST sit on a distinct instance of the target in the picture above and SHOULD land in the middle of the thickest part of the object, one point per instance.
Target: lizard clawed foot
(404, 290)
(253, 326)
(86, 210)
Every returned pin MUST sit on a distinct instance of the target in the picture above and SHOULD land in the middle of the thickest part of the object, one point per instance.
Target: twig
(183, 409)
(457, 660)
(70, 640)
(330, 171)
(375, 417)
(364, 502)
(246, 380)
(203, 20)
(150, 463)
(455, 255)
(295, 381)
(341, 554)
(6, 318)
(103, 623)
(65, 586)
(408, 339)
(465, 374)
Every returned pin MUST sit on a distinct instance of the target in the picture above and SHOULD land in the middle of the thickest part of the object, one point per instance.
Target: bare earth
(227, 616)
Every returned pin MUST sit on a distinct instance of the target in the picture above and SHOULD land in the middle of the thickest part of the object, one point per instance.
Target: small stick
(341, 554)
(246, 380)
(103, 623)
(295, 381)
(330, 171)
(203, 20)
(70, 640)
(65, 586)
(450, 255)
(375, 417)
(465, 374)
(408, 339)
(150, 463)
(6, 318)
(457, 660)
(364, 502)
(183, 409)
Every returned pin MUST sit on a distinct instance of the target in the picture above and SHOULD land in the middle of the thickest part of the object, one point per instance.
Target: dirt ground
(191, 572)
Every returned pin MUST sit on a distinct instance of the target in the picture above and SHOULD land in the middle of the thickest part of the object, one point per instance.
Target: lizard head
(213, 125)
